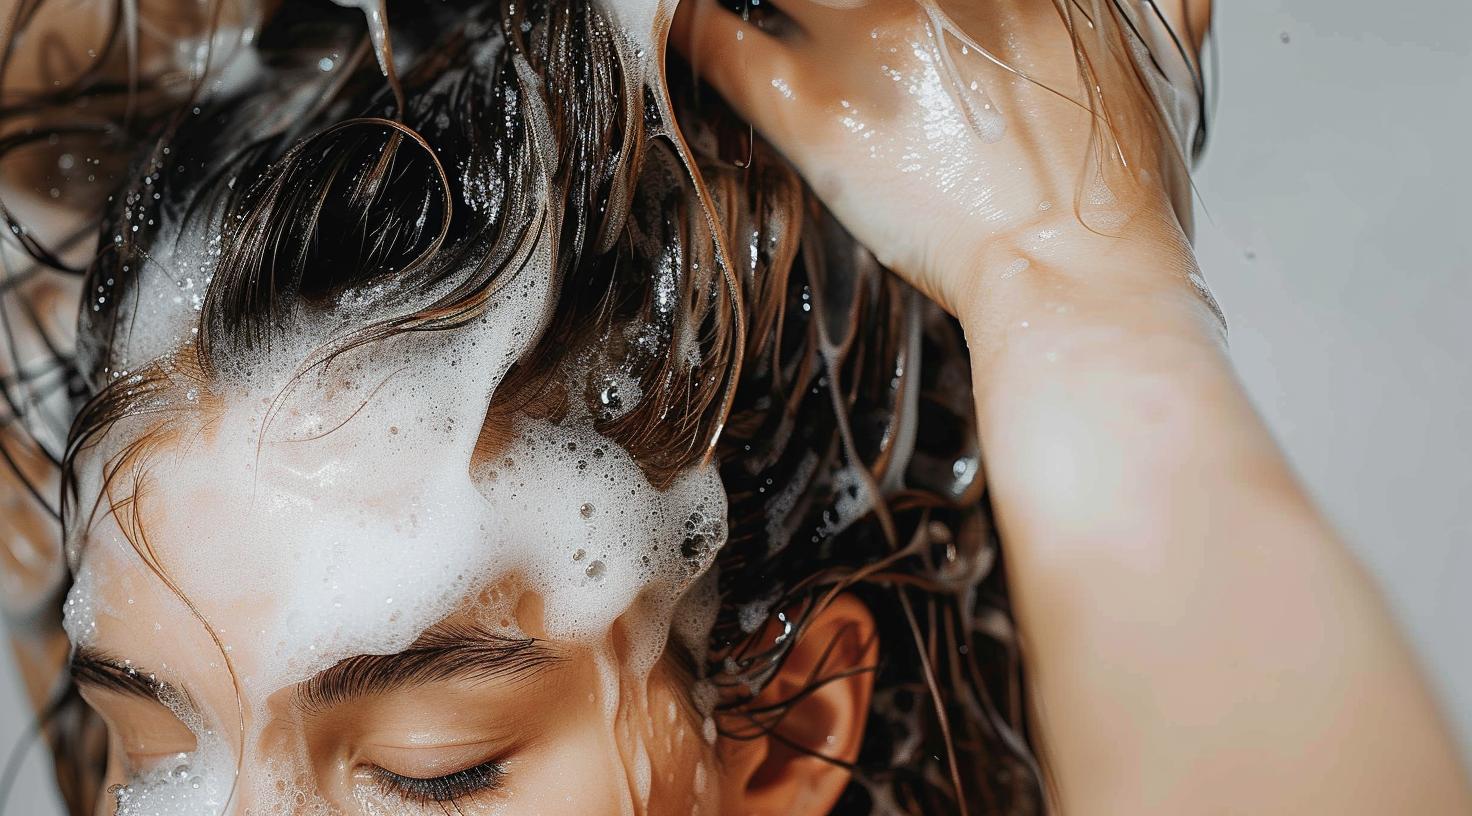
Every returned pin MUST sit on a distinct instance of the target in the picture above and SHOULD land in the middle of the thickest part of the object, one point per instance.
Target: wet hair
(836, 399)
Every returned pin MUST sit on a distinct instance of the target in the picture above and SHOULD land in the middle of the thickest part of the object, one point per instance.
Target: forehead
(315, 511)
(302, 547)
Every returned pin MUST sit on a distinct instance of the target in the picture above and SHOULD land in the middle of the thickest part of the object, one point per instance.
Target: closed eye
(145, 733)
(487, 776)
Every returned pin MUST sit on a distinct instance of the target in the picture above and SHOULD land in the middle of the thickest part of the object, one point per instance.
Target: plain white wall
(1336, 230)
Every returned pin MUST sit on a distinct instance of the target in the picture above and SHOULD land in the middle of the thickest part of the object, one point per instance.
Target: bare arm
(37, 307)
(1199, 639)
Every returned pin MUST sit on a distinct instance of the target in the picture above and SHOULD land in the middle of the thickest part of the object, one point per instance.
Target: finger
(736, 57)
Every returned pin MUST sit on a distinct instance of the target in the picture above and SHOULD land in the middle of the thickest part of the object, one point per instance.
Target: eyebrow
(444, 652)
(466, 652)
(97, 669)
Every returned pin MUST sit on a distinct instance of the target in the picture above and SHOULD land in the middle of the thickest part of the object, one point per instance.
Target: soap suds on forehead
(349, 485)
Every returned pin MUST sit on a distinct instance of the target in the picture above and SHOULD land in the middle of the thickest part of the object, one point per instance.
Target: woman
(497, 434)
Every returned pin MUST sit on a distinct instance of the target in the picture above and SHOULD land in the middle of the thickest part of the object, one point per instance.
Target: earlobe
(798, 738)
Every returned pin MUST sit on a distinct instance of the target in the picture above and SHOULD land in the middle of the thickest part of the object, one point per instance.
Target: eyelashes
(487, 776)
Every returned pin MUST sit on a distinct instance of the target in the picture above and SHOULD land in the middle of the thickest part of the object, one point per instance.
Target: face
(336, 598)
(209, 656)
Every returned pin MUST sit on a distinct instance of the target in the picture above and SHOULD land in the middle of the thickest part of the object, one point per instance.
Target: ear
(828, 677)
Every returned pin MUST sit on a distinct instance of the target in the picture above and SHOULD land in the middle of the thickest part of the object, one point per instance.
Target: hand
(955, 172)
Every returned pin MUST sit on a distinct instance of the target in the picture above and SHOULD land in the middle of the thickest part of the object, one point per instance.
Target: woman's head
(494, 425)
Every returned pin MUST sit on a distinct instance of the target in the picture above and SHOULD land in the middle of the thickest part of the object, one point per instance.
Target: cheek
(684, 775)
(683, 767)
(580, 777)
(651, 755)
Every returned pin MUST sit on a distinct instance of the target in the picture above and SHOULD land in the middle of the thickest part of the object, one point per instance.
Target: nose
(243, 801)
(261, 793)
(278, 777)
(276, 799)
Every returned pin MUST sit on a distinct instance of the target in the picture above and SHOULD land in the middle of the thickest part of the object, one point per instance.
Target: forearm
(1198, 639)
(32, 574)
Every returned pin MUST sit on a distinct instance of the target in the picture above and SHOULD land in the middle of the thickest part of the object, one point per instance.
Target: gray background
(1335, 228)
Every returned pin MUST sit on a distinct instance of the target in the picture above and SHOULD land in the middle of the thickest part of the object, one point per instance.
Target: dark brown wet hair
(836, 400)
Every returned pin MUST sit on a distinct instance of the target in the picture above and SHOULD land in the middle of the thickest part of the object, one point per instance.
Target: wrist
(1063, 250)
(1089, 288)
